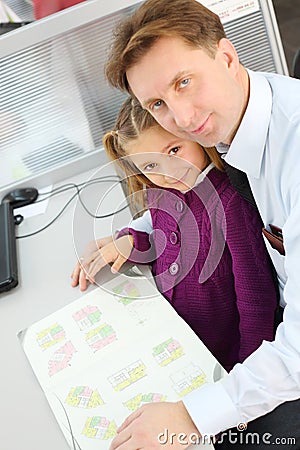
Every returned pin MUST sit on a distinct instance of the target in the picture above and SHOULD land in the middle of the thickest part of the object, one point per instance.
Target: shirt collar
(200, 177)
(246, 150)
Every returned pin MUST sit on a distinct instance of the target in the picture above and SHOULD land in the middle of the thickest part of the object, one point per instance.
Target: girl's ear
(228, 53)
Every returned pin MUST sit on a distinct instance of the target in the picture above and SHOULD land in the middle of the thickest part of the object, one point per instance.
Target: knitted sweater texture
(209, 260)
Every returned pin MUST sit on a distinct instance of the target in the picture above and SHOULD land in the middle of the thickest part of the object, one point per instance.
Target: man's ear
(229, 54)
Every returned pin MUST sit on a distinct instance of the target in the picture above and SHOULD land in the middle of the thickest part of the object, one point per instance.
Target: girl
(202, 238)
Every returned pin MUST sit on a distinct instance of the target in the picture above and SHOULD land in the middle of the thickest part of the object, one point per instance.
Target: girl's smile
(166, 160)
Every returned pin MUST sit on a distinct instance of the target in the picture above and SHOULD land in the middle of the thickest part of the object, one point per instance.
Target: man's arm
(143, 223)
(271, 375)
(267, 378)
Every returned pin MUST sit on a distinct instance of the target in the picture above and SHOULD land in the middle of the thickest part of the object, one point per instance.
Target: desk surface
(45, 263)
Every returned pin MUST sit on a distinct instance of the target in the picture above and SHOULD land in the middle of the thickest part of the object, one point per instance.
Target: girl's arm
(143, 251)
(80, 273)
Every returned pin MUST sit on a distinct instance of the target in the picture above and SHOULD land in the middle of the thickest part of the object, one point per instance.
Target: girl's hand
(79, 274)
(97, 255)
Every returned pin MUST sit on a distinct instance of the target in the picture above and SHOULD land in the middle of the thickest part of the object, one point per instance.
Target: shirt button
(179, 206)
(173, 238)
(173, 269)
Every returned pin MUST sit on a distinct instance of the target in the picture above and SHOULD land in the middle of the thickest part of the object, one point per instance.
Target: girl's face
(166, 160)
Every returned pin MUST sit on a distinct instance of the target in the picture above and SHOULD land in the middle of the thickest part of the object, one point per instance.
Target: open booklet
(103, 356)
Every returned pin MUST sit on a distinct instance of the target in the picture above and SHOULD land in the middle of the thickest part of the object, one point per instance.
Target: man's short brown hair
(186, 19)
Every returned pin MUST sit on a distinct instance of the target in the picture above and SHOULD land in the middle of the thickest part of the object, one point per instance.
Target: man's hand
(155, 426)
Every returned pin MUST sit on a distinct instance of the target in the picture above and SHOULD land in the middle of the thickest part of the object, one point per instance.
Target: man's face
(191, 94)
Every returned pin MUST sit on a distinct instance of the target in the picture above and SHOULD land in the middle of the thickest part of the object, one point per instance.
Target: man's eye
(173, 150)
(184, 82)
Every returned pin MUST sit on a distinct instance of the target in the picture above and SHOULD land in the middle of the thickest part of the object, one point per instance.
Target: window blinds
(55, 103)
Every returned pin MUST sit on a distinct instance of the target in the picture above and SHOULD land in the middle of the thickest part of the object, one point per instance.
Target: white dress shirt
(267, 148)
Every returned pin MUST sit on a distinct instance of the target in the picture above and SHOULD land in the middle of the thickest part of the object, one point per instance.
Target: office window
(55, 103)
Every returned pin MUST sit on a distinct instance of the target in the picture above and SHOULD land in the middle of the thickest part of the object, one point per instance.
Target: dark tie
(240, 182)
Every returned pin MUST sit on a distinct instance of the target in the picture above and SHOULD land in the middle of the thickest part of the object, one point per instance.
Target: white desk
(45, 264)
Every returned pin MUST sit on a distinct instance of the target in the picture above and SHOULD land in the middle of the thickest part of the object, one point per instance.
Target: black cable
(51, 222)
(66, 187)
(91, 214)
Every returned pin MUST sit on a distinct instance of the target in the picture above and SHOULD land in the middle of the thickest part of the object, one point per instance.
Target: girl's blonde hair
(132, 121)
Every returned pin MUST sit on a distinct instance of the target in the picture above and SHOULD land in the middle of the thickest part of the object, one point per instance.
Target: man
(173, 56)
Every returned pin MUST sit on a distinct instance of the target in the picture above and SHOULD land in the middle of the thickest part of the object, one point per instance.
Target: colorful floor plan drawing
(130, 374)
(126, 292)
(186, 380)
(50, 336)
(139, 312)
(100, 337)
(135, 402)
(61, 358)
(87, 317)
(167, 351)
(84, 397)
(99, 428)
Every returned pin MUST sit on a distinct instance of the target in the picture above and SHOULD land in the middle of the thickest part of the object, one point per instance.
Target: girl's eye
(156, 105)
(184, 82)
(173, 150)
(149, 167)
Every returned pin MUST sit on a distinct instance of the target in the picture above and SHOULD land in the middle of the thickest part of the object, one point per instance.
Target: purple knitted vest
(210, 262)
(194, 266)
